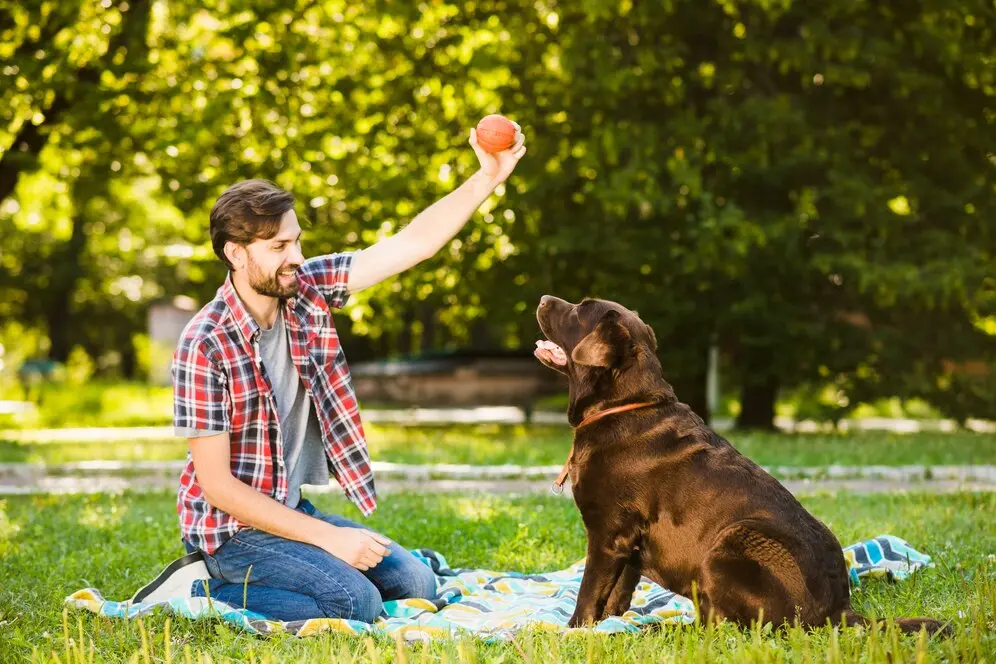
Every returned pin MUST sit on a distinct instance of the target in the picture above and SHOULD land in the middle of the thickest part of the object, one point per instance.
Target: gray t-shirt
(304, 452)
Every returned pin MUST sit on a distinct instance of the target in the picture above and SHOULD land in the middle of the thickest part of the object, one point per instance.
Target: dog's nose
(545, 300)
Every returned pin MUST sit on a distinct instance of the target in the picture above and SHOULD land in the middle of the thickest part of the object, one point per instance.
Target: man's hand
(498, 166)
(432, 228)
(359, 548)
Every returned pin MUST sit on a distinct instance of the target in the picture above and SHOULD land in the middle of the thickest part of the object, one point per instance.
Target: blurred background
(798, 199)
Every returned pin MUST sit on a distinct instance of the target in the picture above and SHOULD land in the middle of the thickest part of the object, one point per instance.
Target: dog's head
(607, 352)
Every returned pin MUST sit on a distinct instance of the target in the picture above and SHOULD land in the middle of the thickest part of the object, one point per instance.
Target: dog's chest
(580, 468)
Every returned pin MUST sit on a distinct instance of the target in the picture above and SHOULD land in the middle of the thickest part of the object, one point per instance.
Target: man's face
(271, 264)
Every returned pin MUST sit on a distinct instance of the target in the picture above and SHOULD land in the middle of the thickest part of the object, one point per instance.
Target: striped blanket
(495, 604)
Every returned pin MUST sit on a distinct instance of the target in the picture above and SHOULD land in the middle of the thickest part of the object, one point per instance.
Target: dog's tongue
(550, 351)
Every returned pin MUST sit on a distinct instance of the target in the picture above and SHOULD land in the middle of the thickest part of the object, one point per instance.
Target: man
(263, 394)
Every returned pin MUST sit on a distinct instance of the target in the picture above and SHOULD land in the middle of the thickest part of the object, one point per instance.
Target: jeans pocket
(213, 568)
(230, 560)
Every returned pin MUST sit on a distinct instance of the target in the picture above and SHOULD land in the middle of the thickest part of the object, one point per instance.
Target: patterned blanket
(496, 604)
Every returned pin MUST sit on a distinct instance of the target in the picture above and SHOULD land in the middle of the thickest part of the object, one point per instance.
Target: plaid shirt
(220, 384)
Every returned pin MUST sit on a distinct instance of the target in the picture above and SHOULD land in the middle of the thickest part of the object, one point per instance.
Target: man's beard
(269, 284)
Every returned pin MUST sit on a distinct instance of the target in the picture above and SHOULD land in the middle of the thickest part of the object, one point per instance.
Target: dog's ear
(653, 337)
(650, 332)
(605, 345)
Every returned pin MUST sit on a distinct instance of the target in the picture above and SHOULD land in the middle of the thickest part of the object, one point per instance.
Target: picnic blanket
(495, 605)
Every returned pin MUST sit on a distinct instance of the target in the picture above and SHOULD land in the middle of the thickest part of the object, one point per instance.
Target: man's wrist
(319, 531)
(482, 183)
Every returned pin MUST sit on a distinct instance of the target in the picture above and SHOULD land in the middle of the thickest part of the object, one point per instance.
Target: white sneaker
(174, 581)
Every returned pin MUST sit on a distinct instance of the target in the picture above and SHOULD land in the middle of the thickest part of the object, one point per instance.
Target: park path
(487, 415)
(116, 476)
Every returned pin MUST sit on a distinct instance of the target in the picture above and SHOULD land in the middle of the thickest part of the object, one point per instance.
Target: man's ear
(231, 251)
(605, 345)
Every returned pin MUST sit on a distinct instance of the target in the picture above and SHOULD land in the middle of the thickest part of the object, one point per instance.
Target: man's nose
(296, 256)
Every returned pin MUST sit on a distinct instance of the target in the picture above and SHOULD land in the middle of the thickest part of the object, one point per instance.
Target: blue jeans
(291, 580)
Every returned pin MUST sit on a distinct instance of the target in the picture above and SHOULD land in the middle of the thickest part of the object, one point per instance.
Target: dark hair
(247, 211)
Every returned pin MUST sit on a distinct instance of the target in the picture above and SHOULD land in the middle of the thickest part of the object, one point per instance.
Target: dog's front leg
(607, 556)
(622, 594)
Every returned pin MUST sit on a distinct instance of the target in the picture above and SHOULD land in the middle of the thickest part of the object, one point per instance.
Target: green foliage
(805, 187)
(96, 403)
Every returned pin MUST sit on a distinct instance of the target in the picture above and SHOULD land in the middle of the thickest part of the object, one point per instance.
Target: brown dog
(663, 496)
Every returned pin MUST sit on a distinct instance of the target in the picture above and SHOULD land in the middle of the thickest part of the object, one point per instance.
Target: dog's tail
(908, 625)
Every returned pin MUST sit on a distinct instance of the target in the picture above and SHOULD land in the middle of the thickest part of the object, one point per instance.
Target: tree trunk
(429, 339)
(757, 400)
(690, 385)
(691, 389)
(481, 335)
(404, 339)
(129, 361)
(687, 371)
(66, 273)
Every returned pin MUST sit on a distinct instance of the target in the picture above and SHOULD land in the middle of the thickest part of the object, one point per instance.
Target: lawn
(549, 445)
(50, 546)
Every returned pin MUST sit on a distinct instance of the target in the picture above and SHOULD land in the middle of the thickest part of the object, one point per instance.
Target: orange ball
(495, 133)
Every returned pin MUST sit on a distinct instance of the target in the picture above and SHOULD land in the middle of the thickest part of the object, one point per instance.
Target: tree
(768, 167)
(75, 68)
(803, 188)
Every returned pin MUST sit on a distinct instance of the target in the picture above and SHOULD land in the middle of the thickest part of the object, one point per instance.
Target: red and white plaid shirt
(219, 384)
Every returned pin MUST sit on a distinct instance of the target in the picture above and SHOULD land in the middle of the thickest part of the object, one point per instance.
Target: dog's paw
(581, 620)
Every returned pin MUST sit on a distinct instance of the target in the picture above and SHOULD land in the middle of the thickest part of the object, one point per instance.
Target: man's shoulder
(207, 330)
(317, 267)
(327, 277)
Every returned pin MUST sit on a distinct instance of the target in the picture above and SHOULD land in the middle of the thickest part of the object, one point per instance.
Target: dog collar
(594, 417)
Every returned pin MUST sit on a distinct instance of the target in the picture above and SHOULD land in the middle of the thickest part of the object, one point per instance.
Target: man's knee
(423, 581)
(360, 602)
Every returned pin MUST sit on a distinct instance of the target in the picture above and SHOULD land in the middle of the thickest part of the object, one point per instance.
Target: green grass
(83, 400)
(51, 546)
(549, 445)
(540, 445)
(95, 404)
